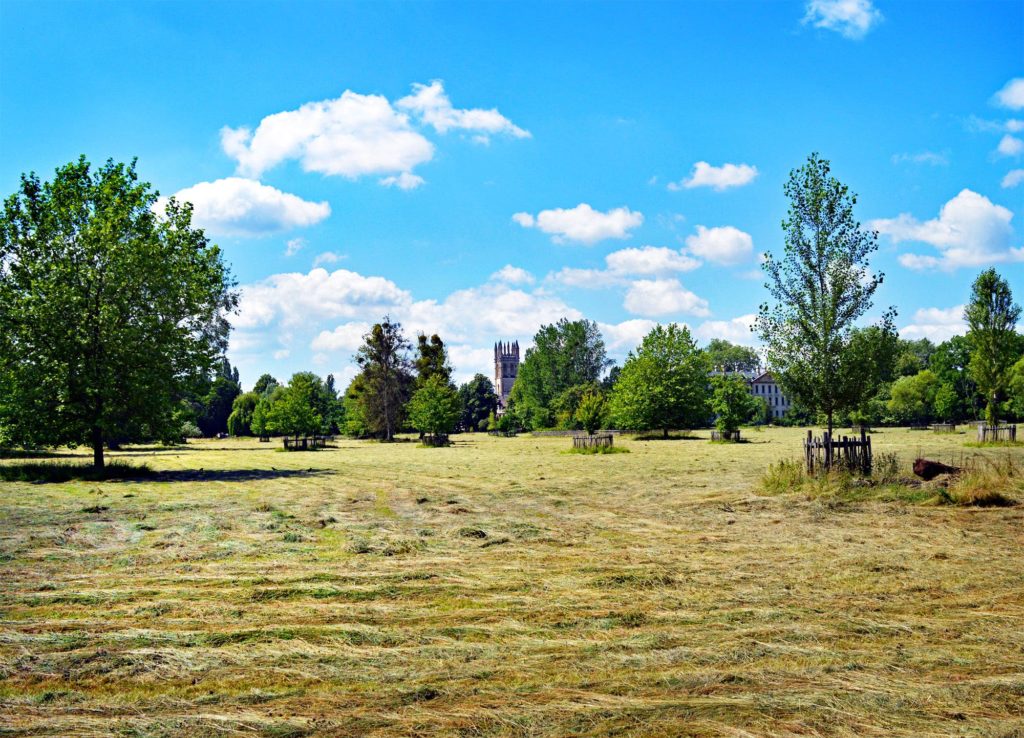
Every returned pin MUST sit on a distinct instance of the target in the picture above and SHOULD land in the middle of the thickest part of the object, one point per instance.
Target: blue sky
(479, 169)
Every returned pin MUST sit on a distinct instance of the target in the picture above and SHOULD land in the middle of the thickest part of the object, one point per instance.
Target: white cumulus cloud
(663, 297)
(1012, 94)
(512, 275)
(970, 231)
(352, 135)
(623, 337)
(430, 104)
(294, 246)
(736, 330)
(235, 206)
(718, 178)
(935, 324)
(722, 245)
(582, 223)
(850, 18)
(626, 263)
(346, 337)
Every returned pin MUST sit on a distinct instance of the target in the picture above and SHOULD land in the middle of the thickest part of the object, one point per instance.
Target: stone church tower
(506, 367)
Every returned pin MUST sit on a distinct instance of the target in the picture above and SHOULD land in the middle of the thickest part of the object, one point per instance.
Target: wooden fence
(845, 452)
(944, 427)
(601, 439)
(304, 443)
(989, 433)
(717, 435)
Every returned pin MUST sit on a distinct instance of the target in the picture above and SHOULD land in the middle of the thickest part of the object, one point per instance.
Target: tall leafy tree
(566, 354)
(991, 317)
(950, 362)
(664, 384)
(478, 400)
(731, 402)
(295, 410)
(822, 285)
(913, 398)
(109, 313)
(387, 379)
(435, 408)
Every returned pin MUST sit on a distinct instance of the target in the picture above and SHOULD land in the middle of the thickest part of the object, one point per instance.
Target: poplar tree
(991, 318)
(822, 285)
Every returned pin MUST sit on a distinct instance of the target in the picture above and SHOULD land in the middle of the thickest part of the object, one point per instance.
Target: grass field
(502, 587)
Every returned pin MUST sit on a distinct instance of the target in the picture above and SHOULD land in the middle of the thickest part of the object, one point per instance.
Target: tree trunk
(830, 424)
(97, 448)
(664, 432)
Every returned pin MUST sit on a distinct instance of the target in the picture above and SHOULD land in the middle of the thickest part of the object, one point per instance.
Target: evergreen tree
(383, 358)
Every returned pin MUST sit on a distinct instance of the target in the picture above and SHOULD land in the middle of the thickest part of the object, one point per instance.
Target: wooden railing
(990, 433)
(304, 443)
(845, 452)
(601, 439)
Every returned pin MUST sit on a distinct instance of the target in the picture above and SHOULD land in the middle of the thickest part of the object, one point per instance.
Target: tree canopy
(566, 354)
(822, 285)
(478, 400)
(434, 409)
(664, 384)
(386, 380)
(109, 313)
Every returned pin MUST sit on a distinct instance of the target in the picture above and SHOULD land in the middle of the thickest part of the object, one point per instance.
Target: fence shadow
(236, 475)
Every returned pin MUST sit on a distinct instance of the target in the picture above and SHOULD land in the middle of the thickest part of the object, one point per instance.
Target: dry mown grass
(504, 588)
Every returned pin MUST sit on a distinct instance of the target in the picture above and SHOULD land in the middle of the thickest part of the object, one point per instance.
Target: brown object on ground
(928, 470)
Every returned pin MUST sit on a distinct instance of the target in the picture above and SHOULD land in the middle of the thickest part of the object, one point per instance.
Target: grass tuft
(591, 450)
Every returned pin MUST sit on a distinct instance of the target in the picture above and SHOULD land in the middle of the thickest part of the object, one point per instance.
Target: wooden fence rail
(988, 433)
(944, 427)
(601, 439)
(845, 452)
(717, 435)
(304, 443)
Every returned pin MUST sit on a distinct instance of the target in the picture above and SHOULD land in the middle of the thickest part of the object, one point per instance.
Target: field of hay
(502, 587)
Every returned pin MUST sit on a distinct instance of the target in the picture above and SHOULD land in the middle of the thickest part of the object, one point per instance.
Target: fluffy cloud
(1012, 94)
(718, 178)
(234, 206)
(626, 263)
(625, 336)
(724, 245)
(1013, 178)
(970, 231)
(582, 223)
(431, 105)
(346, 337)
(936, 324)
(663, 297)
(649, 260)
(294, 246)
(512, 275)
(327, 257)
(351, 136)
(1010, 146)
(851, 18)
(295, 299)
(736, 330)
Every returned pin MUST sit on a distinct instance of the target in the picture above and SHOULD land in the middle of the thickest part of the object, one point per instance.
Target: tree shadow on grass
(670, 437)
(56, 473)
